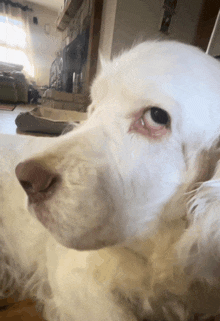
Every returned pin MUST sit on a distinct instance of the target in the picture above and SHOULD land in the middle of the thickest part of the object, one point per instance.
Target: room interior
(49, 55)
(49, 50)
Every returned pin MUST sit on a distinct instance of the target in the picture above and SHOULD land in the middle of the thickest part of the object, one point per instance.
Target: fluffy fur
(132, 227)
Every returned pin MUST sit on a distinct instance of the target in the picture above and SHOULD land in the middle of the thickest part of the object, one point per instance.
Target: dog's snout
(35, 178)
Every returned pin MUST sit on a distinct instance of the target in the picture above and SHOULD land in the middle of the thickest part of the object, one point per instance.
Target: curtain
(14, 35)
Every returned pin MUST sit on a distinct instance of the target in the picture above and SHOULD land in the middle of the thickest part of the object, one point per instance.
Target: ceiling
(52, 4)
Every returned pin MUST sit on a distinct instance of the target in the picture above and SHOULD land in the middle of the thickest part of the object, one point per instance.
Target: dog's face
(154, 110)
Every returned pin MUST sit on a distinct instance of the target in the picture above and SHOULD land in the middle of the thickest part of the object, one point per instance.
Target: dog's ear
(207, 162)
(199, 247)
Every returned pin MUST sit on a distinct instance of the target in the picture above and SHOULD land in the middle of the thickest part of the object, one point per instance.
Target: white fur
(133, 227)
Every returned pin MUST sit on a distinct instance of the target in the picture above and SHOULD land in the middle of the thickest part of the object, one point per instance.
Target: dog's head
(155, 113)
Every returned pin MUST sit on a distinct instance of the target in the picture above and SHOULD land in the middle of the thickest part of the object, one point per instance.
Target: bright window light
(16, 36)
(13, 42)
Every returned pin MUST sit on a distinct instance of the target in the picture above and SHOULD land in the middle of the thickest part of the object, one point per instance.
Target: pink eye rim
(146, 126)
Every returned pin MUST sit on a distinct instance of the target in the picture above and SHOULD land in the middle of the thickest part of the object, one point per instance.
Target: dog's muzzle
(38, 182)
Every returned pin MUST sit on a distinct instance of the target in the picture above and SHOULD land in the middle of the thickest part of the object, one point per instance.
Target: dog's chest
(155, 285)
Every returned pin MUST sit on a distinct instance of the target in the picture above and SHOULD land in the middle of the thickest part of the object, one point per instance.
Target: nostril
(35, 178)
(50, 182)
(26, 185)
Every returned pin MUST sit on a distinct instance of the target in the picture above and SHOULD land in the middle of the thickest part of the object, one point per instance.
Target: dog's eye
(152, 122)
(156, 116)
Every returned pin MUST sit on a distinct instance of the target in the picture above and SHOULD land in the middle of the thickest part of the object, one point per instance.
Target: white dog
(128, 204)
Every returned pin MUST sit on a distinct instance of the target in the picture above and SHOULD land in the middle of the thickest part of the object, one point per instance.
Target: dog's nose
(34, 178)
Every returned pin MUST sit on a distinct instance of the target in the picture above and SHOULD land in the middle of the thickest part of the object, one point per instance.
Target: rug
(7, 107)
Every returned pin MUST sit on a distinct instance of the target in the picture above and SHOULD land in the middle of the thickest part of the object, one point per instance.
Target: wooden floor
(19, 311)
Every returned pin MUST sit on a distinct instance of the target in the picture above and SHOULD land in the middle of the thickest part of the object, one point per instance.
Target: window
(13, 43)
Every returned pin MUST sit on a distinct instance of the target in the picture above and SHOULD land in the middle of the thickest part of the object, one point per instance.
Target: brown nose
(34, 178)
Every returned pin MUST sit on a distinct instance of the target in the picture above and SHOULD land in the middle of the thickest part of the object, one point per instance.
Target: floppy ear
(199, 247)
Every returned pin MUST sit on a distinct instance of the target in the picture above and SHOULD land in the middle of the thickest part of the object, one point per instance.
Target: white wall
(43, 46)
(214, 45)
(136, 20)
(107, 27)
(55, 5)
(184, 24)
